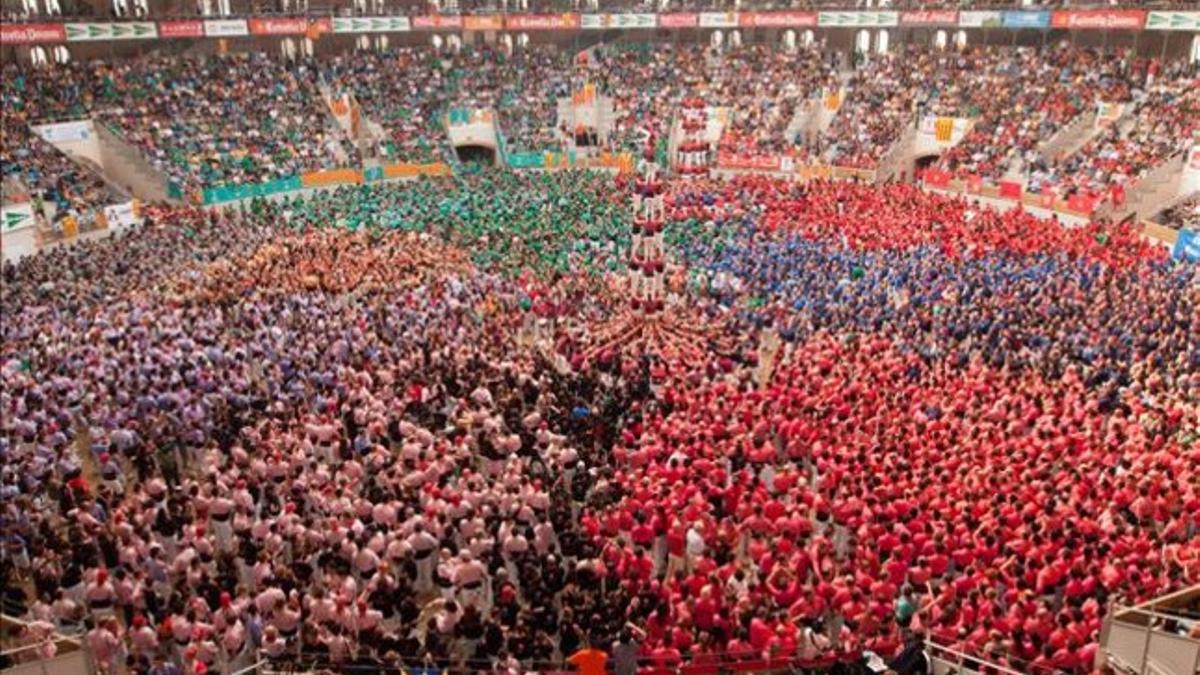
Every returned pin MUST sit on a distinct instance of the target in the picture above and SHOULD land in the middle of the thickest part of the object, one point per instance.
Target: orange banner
(483, 22)
(414, 170)
(331, 177)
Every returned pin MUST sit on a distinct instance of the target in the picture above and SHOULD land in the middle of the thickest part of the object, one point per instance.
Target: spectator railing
(1151, 638)
(70, 654)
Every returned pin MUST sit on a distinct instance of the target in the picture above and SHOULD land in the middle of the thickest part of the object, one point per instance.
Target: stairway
(1156, 190)
(1068, 140)
(123, 163)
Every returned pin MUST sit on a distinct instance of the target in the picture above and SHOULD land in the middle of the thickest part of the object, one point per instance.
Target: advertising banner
(120, 216)
(525, 160)
(985, 19)
(936, 177)
(1011, 189)
(331, 177)
(389, 24)
(289, 26)
(567, 21)
(483, 22)
(405, 170)
(31, 33)
(228, 193)
(1081, 203)
(437, 22)
(1098, 19)
(65, 132)
(718, 19)
(1189, 21)
(938, 17)
(16, 217)
(606, 21)
(94, 32)
(225, 28)
(759, 163)
(1014, 19)
(1187, 246)
(1108, 113)
(777, 19)
(857, 19)
(180, 29)
(679, 20)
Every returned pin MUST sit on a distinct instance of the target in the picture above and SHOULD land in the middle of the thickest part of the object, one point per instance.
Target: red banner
(937, 177)
(1081, 203)
(1098, 19)
(293, 26)
(1118, 194)
(438, 22)
(759, 163)
(566, 21)
(679, 20)
(31, 33)
(777, 19)
(1011, 189)
(483, 22)
(934, 17)
(180, 29)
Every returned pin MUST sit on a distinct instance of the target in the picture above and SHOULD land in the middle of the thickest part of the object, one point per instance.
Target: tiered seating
(234, 119)
(38, 166)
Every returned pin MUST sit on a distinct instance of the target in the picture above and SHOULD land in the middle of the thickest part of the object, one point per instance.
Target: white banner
(606, 21)
(61, 132)
(718, 19)
(121, 216)
(225, 28)
(390, 24)
(16, 217)
(1181, 21)
(94, 32)
(985, 19)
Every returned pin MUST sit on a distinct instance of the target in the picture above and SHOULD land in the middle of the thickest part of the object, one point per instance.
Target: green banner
(229, 193)
(526, 160)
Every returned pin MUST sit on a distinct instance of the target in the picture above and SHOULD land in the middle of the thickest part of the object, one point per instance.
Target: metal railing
(1141, 640)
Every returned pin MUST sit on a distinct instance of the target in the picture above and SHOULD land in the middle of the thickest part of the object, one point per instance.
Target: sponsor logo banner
(65, 132)
(437, 22)
(225, 28)
(944, 17)
(606, 21)
(16, 217)
(565, 21)
(1173, 21)
(778, 19)
(391, 24)
(293, 26)
(759, 163)
(483, 22)
(93, 32)
(1187, 246)
(718, 19)
(119, 216)
(1026, 19)
(31, 33)
(181, 29)
(986, 19)
(679, 20)
(1091, 19)
(865, 19)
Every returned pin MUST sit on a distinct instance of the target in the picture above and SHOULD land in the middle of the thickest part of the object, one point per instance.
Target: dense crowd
(1162, 122)
(368, 425)
(39, 168)
(256, 118)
